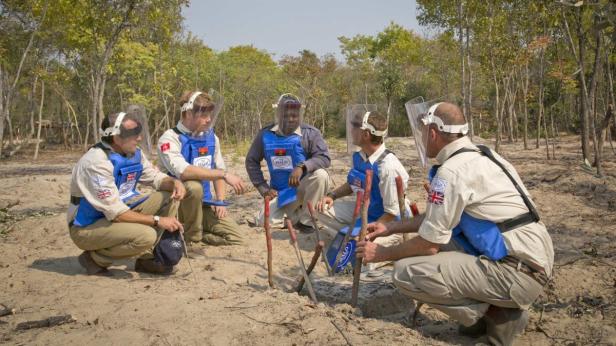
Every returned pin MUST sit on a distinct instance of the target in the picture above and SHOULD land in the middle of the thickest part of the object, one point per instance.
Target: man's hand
(370, 252)
(375, 230)
(295, 177)
(220, 211)
(271, 193)
(179, 191)
(235, 182)
(170, 224)
(324, 204)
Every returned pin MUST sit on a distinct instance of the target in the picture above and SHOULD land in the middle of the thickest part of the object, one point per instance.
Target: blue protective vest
(126, 174)
(199, 151)
(282, 154)
(483, 237)
(357, 179)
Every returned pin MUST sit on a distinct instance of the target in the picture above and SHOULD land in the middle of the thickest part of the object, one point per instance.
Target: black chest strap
(520, 220)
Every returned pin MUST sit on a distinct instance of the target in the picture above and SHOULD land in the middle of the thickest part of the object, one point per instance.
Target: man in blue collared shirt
(297, 159)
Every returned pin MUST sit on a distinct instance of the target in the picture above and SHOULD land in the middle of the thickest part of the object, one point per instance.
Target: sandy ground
(228, 302)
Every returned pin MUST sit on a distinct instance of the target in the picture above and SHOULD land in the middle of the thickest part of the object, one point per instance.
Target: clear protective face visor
(357, 118)
(421, 114)
(289, 113)
(204, 111)
(137, 114)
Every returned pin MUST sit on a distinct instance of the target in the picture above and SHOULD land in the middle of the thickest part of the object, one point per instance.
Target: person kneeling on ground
(481, 254)
(297, 158)
(367, 131)
(108, 218)
(191, 152)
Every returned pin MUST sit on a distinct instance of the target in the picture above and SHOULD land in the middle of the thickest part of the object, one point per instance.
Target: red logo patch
(280, 152)
(131, 176)
(203, 151)
(165, 146)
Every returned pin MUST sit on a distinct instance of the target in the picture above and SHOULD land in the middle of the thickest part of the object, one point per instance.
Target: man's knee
(145, 238)
(320, 175)
(194, 190)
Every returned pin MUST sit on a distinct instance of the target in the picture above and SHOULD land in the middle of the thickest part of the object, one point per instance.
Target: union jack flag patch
(436, 197)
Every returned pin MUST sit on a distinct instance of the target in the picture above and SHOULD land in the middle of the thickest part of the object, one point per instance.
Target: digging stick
(300, 261)
(268, 239)
(362, 235)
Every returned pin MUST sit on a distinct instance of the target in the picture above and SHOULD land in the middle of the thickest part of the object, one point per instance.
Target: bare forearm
(343, 190)
(386, 217)
(417, 246)
(406, 226)
(167, 184)
(220, 189)
(135, 217)
(197, 173)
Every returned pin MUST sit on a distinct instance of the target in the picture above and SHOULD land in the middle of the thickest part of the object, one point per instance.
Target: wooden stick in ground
(315, 258)
(347, 236)
(414, 209)
(362, 235)
(300, 260)
(268, 239)
(313, 218)
(400, 191)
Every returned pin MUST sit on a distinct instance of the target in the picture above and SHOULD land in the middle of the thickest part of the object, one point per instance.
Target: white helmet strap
(115, 129)
(431, 118)
(188, 106)
(365, 125)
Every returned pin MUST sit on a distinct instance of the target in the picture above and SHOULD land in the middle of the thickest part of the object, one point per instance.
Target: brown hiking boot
(151, 267)
(195, 249)
(504, 324)
(92, 268)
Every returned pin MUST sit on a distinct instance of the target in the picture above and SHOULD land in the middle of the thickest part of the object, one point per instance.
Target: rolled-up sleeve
(95, 181)
(151, 176)
(253, 161)
(387, 184)
(316, 150)
(169, 154)
(446, 201)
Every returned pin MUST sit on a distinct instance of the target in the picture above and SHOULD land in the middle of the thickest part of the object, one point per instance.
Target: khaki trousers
(311, 188)
(201, 223)
(340, 215)
(464, 286)
(118, 240)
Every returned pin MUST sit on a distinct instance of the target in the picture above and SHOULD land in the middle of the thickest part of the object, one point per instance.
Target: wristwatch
(302, 166)
(331, 194)
(156, 220)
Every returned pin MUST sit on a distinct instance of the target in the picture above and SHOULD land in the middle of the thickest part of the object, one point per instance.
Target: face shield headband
(431, 118)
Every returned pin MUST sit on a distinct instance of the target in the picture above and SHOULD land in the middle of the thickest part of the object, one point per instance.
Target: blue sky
(286, 27)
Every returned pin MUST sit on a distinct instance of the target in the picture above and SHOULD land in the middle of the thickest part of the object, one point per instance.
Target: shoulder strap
(487, 152)
(101, 146)
(383, 155)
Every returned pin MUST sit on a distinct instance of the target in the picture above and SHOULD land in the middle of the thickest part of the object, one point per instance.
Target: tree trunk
(40, 120)
(5, 113)
(469, 89)
(462, 70)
